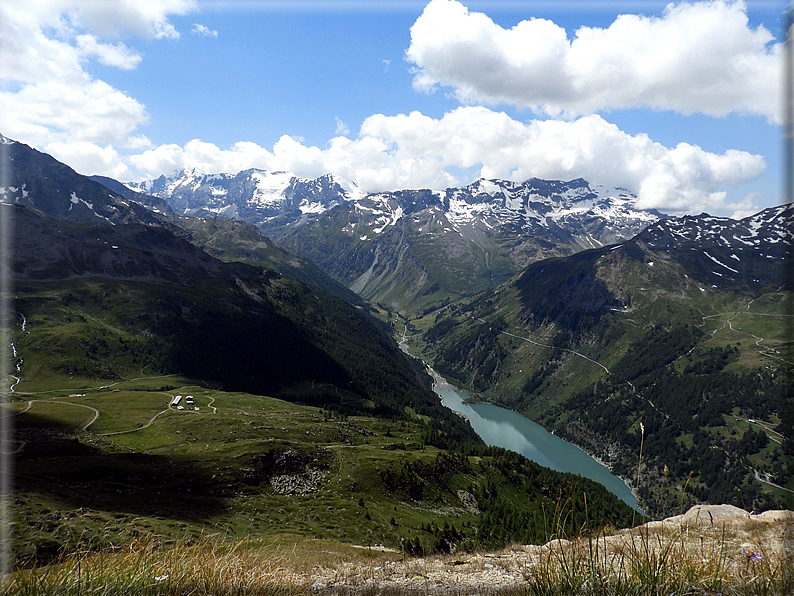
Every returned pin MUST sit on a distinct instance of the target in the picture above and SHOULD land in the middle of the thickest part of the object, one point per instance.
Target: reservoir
(503, 428)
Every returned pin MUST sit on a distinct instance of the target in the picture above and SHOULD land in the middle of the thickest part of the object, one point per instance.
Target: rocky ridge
(38, 180)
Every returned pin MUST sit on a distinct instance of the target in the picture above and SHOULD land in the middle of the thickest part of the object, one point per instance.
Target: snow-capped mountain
(766, 230)
(259, 196)
(255, 196)
(413, 249)
(595, 214)
(405, 246)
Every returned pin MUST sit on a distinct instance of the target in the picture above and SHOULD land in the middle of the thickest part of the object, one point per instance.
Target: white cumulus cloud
(204, 156)
(48, 95)
(94, 111)
(113, 18)
(341, 127)
(697, 57)
(117, 55)
(89, 158)
(417, 151)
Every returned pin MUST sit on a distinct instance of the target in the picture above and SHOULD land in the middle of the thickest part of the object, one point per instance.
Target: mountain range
(413, 249)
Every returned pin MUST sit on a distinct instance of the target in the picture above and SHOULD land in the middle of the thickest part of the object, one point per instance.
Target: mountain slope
(747, 254)
(234, 240)
(155, 204)
(38, 180)
(684, 328)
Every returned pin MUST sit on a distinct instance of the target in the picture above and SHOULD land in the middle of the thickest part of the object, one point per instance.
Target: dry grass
(750, 559)
(207, 566)
(683, 561)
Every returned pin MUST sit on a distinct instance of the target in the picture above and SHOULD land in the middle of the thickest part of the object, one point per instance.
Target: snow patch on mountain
(396, 215)
(74, 200)
(719, 262)
(269, 187)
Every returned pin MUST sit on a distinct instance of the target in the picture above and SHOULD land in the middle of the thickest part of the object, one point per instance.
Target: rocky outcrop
(708, 541)
(298, 484)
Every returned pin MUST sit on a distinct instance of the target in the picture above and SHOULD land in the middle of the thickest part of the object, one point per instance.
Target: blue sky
(679, 103)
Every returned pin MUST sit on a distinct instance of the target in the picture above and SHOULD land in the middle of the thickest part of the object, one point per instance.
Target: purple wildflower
(752, 555)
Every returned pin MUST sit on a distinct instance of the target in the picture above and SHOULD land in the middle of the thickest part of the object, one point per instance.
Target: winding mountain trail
(100, 388)
(27, 408)
(762, 350)
(132, 430)
(770, 432)
(96, 413)
(758, 477)
(19, 448)
(630, 384)
(100, 322)
(82, 426)
(156, 416)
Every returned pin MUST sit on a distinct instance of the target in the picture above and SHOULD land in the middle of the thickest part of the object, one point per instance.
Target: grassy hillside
(289, 341)
(105, 465)
(233, 240)
(120, 299)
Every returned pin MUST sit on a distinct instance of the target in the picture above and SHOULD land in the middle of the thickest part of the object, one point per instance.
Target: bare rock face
(468, 501)
(723, 516)
(298, 484)
(708, 515)
(780, 516)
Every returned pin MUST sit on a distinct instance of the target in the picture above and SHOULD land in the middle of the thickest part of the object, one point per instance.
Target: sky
(679, 102)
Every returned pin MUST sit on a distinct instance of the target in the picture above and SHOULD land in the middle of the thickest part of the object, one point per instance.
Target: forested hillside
(647, 334)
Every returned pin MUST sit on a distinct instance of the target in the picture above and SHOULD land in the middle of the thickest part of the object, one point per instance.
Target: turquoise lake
(503, 428)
